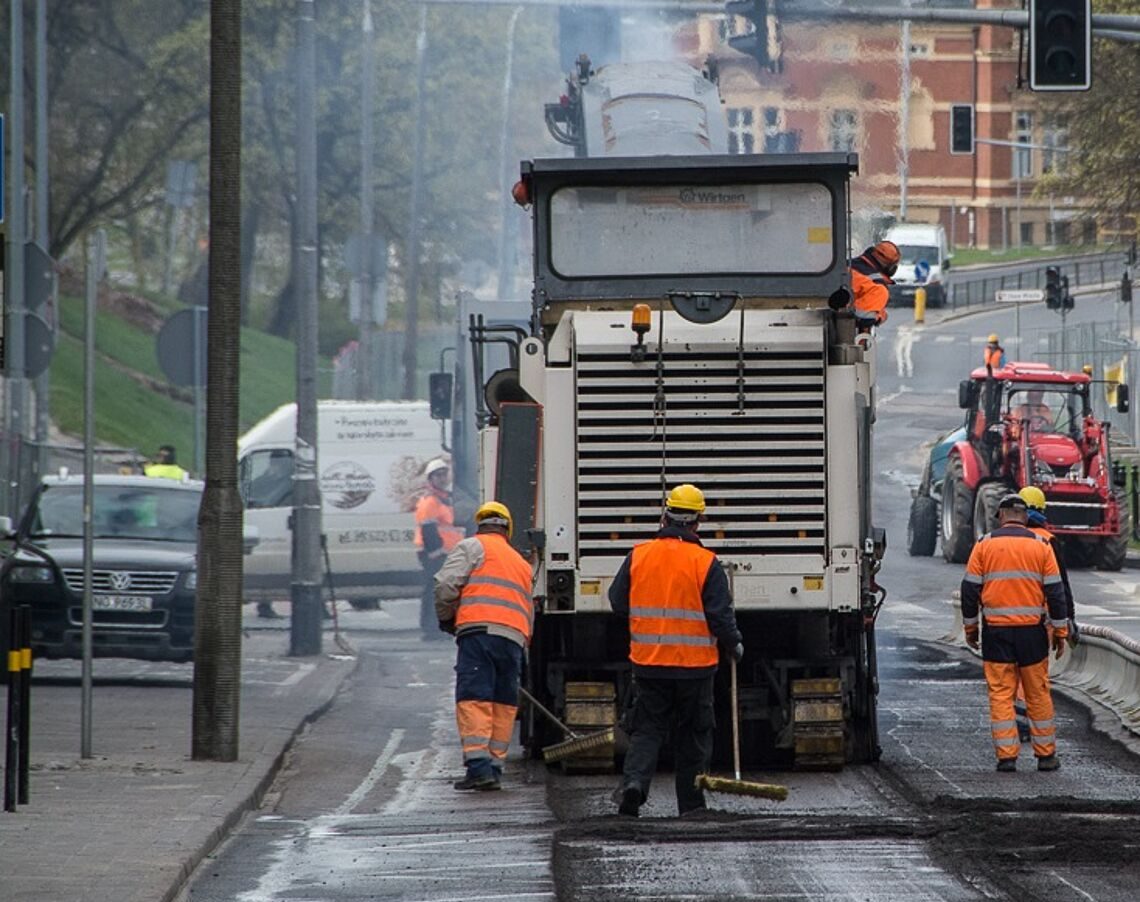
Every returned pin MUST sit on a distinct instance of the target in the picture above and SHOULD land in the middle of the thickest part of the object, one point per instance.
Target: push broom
(576, 743)
(737, 786)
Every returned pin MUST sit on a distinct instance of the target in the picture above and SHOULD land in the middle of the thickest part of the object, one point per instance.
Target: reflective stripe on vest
(1013, 567)
(498, 591)
(667, 626)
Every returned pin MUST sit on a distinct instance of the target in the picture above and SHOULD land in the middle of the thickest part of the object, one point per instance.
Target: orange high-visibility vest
(1013, 571)
(667, 626)
(992, 356)
(871, 294)
(431, 508)
(498, 591)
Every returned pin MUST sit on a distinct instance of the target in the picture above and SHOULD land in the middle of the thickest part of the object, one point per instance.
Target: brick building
(838, 86)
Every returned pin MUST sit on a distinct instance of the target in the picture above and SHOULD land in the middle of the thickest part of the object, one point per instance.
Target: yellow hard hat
(686, 497)
(496, 513)
(993, 339)
(1033, 497)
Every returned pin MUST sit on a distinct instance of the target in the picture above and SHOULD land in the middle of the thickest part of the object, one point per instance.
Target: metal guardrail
(973, 288)
(1105, 666)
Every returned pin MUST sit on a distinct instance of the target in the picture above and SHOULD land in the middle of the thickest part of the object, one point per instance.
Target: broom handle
(735, 725)
(534, 701)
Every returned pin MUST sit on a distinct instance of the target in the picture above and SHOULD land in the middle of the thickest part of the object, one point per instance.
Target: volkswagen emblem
(120, 581)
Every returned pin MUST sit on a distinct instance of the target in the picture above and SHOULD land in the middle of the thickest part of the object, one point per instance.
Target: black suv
(145, 533)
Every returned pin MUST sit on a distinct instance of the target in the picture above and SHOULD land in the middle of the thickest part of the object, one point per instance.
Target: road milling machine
(691, 324)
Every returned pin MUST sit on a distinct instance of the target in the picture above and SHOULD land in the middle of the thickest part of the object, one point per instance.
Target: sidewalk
(129, 824)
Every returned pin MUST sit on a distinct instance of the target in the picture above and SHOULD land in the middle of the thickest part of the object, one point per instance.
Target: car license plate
(122, 602)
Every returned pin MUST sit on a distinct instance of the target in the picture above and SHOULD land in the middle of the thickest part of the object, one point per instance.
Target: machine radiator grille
(757, 448)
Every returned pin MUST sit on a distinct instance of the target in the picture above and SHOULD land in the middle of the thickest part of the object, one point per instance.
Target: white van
(370, 457)
(925, 261)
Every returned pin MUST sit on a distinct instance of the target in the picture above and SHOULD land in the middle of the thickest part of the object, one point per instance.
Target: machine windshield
(1046, 408)
(660, 230)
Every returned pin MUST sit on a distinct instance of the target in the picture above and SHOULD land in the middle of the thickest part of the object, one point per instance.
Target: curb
(269, 765)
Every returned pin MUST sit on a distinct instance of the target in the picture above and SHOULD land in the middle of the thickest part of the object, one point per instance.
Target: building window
(741, 138)
(842, 50)
(773, 130)
(1023, 134)
(843, 131)
(1054, 136)
(1027, 233)
(730, 26)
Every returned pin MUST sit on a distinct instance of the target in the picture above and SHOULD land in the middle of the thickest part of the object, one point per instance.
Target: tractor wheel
(957, 515)
(986, 507)
(922, 527)
(1111, 552)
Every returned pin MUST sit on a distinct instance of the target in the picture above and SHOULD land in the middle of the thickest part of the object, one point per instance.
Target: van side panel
(370, 458)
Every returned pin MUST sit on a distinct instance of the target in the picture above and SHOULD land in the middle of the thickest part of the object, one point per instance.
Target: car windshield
(909, 254)
(121, 512)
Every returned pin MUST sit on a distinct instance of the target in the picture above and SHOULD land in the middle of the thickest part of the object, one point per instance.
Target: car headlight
(31, 574)
(192, 581)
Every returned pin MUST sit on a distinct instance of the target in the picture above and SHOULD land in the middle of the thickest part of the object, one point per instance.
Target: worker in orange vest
(1013, 584)
(870, 277)
(1036, 523)
(993, 357)
(676, 595)
(435, 535)
(483, 596)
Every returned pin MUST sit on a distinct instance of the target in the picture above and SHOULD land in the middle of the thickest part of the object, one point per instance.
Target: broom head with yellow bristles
(741, 787)
(577, 745)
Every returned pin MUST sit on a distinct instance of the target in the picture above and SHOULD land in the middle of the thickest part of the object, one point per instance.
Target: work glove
(738, 652)
(448, 626)
(973, 639)
(1058, 646)
(1074, 636)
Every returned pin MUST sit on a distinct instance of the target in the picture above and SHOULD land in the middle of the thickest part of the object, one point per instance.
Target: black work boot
(265, 610)
(1007, 765)
(630, 803)
(1048, 762)
(485, 782)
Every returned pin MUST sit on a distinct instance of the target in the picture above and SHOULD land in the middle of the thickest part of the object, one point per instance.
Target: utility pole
(305, 625)
(364, 353)
(16, 395)
(43, 380)
(412, 285)
(505, 203)
(217, 611)
(904, 118)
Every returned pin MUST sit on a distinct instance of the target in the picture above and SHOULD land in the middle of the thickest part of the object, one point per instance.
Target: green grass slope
(135, 406)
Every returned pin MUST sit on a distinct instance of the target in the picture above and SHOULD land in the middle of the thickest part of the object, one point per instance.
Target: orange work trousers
(1019, 702)
(1002, 680)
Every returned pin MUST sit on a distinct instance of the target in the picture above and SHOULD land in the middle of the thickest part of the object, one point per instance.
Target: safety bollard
(25, 704)
(920, 305)
(12, 727)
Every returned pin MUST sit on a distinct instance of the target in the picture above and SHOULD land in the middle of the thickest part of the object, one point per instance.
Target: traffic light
(1053, 296)
(757, 44)
(1060, 45)
(962, 128)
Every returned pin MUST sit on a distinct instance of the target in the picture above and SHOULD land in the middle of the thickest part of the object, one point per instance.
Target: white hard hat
(435, 466)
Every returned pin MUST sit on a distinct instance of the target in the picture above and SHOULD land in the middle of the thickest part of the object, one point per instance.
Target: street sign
(1019, 296)
(39, 276)
(175, 346)
(921, 271)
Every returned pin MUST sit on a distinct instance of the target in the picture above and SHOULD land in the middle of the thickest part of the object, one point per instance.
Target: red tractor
(1027, 424)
